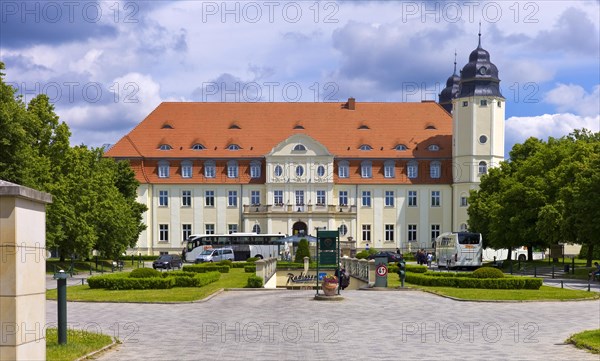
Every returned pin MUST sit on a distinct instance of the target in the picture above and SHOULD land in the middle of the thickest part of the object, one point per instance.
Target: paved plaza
(385, 325)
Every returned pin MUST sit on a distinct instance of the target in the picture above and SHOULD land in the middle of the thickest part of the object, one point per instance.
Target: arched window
(435, 169)
(400, 147)
(343, 230)
(482, 167)
(299, 148)
(389, 169)
(165, 147)
(233, 147)
(198, 146)
(433, 148)
(412, 170)
(366, 169)
(186, 169)
(232, 169)
(210, 169)
(343, 169)
(365, 147)
(256, 228)
(255, 169)
(163, 169)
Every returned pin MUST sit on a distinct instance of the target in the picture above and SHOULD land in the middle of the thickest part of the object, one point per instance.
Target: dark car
(391, 256)
(168, 261)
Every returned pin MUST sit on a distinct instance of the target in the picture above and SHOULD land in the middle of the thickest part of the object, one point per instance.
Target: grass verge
(545, 293)
(79, 343)
(236, 278)
(587, 340)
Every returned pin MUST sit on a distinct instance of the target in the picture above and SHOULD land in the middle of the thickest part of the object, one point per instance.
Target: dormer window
(255, 169)
(299, 148)
(234, 126)
(365, 147)
(430, 127)
(400, 147)
(298, 127)
(433, 148)
(364, 127)
(233, 147)
(198, 146)
(165, 147)
(167, 126)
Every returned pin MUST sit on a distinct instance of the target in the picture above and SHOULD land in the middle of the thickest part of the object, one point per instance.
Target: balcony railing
(295, 208)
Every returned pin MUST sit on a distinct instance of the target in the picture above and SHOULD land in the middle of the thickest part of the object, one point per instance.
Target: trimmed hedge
(254, 282)
(242, 264)
(144, 273)
(225, 262)
(203, 268)
(471, 282)
(393, 268)
(183, 279)
(250, 269)
(488, 272)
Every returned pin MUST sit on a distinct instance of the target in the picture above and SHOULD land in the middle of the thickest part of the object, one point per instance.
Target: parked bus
(244, 245)
(519, 254)
(458, 249)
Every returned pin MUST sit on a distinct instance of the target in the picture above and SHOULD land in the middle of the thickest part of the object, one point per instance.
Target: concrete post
(371, 272)
(22, 272)
(260, 269)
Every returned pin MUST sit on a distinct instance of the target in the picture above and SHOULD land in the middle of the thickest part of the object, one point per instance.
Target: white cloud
(518, 129)
(574, 98)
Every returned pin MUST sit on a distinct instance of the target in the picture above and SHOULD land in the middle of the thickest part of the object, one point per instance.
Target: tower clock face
(482, 70)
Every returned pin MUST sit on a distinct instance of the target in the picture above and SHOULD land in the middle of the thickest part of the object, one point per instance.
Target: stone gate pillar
(22, 272)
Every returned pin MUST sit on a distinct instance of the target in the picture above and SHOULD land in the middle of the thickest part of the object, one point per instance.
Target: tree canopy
(94, 198)
(548, 192)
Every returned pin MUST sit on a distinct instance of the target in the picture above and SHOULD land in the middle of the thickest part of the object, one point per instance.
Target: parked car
(391, 256)
(168, 261)
(215, 255)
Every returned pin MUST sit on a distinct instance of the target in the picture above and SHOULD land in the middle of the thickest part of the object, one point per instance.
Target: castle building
(387, 175)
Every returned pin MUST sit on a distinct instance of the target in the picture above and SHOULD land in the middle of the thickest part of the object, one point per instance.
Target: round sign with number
(381, 270)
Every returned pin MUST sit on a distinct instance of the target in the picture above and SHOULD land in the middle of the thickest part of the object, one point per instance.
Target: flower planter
(329, 289)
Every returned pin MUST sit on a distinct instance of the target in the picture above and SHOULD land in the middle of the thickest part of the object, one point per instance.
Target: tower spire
(454, 61)
(479, 45)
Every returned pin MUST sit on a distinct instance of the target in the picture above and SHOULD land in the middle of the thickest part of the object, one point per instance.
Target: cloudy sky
(106, 65)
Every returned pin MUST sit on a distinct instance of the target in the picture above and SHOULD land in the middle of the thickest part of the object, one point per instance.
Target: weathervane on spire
(479, 46)
(454, 61)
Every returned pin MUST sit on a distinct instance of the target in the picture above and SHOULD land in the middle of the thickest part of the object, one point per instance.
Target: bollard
(90, 268)
(511, 267)
(534, 271)
(573, 265)
(552, 271)
(96, 263)
(561, 284)
(589, 288)
(132, 259)
(83, 281)
(61, 280)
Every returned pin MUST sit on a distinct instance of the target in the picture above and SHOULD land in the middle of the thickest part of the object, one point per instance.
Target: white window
(163, 198)
(256, 228)
(198, 146)
(255, 169)
(299, 171)
(186, 198)
(186, 231)
(320, 171)
(343, 169)
(389, 232)
(366, 232)
(278, 197)
(255, 198)
(321, 198)
(232, 228)
(232, 199)
(186, 169)
(233, 147)
(482, 167)
(210, 169)
(412, 232)
(412, 198)
(232, 169)
(163, 232)
(435, 169)
(464, 201)
(163, 169)
(343, 198)
(165, 147)
(209, 198)
(209, 228)
(435, 198)
(278, 171)
(366, 169)
(299, 148)
(299, 198)
(412, 169)
(343, 230)
(400, 147)
(389, 198)
(433, 148)
(366, 198)
(365, 147)
(435, 232)
(389, 169)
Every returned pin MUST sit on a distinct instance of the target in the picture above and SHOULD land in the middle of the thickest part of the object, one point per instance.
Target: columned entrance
(299, 228)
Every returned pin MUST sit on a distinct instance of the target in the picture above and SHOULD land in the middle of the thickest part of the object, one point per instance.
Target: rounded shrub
(144, 273)
(487, 272)
(254, 282)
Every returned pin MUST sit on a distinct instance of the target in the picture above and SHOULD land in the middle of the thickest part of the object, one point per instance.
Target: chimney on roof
(351, 104)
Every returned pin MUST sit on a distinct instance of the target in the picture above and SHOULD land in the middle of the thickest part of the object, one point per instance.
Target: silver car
(215, 255)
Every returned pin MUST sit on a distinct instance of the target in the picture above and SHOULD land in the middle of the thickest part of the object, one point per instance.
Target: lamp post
(61, 279)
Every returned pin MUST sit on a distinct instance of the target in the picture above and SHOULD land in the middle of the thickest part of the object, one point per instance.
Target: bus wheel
(522, 258)
(259, 256)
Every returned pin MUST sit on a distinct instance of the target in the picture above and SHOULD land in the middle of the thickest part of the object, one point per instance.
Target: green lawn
(588, 340)
(545, 293)
(236, 278)
(79, 343)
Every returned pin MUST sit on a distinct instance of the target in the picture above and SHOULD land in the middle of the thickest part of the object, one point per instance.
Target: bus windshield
(473, 238)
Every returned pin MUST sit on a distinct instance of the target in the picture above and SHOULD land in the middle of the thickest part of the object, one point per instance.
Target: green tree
(302, 251)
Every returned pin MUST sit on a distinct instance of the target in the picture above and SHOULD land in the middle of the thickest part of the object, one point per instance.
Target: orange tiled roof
(264, 125)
